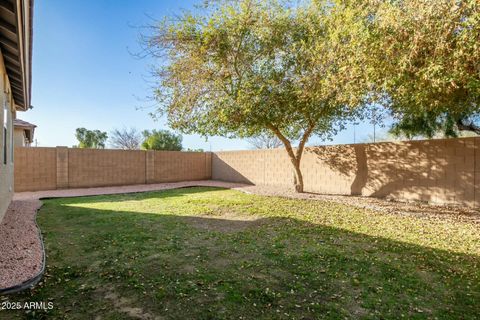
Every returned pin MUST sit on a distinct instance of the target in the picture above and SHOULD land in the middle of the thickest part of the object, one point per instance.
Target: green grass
(207, 253)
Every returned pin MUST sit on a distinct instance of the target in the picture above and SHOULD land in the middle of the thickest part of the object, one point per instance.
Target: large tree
(94, 139)
(423, 58)
(240, 68)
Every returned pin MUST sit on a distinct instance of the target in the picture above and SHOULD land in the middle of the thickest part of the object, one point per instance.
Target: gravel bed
(21, 255)
(416, 209)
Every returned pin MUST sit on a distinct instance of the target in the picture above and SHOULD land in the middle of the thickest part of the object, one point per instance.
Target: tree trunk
(298, 176)
(295, 158)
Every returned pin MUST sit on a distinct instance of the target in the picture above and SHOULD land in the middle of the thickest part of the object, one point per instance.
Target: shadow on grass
(122, 264)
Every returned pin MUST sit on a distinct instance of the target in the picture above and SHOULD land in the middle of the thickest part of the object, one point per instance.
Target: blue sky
(84, 74)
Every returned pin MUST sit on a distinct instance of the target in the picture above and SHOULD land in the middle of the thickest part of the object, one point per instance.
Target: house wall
(62, 167)
(6, 164)
(19, 137)
(443, 171)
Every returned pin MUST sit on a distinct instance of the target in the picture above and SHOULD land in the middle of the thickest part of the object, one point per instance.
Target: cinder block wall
(35, 169)
(172, 166)
(61, 167)
(437, 171)
(95, 168)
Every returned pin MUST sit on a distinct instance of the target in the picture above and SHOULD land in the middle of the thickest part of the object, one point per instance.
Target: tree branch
(468, 127)
(304, 140)
(285, 141)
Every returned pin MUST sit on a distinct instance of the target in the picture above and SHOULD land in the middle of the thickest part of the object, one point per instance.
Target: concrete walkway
(21, 247)
(65, 193)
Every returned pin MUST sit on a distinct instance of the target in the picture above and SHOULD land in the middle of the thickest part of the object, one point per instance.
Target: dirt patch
(124, 305)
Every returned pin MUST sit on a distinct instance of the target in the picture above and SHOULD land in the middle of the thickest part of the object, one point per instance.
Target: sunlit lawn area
(207, 253)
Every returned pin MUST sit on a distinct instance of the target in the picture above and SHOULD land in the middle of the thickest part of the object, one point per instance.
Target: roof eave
(16, 17)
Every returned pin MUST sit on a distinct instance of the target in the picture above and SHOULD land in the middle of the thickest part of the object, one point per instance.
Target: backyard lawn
(210, 253)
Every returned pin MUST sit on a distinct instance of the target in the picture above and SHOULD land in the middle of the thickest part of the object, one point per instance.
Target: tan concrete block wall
(150, 166)
(437, 171)
(239, 166)
(96, 167)
(171, 166)
(35, 169)
(208, 165)
(275, 164)
(61, 167)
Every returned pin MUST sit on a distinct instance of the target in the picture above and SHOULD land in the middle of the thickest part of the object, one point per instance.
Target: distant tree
(243, 67)
(126, 139)
(265, 140)
(161, 140)
(94, 139)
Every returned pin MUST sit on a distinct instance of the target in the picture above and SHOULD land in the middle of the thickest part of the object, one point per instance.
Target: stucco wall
(6, 170)
(436, 171)
(18, 137)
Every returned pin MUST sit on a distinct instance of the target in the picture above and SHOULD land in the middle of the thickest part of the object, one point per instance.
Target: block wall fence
(445, 171)
(62, 167)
